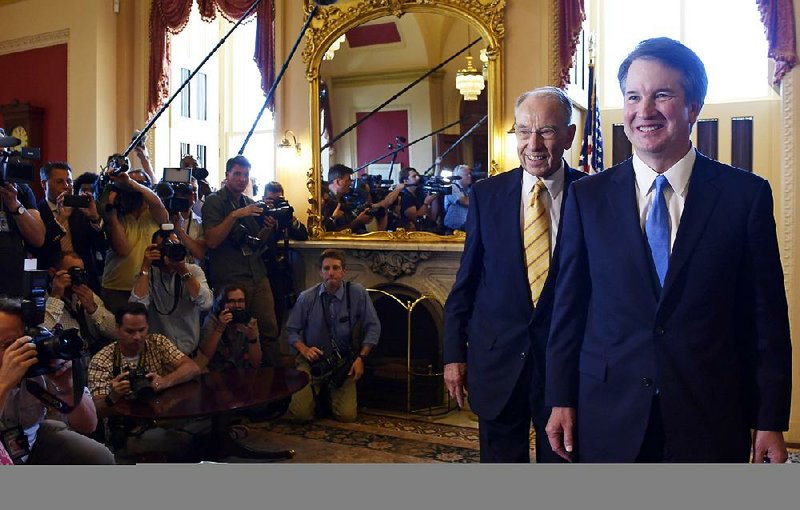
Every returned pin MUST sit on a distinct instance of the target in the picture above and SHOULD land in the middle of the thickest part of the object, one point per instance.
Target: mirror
(378, 48)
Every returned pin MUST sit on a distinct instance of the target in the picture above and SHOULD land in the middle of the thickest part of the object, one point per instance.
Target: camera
(141, 387)
(169, 247)
(241, 237)
(377, 186)
(240, 316)
(280, 209)
(438, 184)
(333, 366)
(81, 201)
(78, 275)
(16, 166)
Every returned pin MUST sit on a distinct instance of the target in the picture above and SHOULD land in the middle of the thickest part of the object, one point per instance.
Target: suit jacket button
(647, 382)
(659, 330)
(522, 355)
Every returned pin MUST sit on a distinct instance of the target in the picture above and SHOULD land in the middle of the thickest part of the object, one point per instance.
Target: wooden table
(218, 395)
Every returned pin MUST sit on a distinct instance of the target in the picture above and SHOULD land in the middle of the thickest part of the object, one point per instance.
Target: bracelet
(144, 272)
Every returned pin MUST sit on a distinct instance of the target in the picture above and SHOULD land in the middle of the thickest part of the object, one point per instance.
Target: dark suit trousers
(506, 438)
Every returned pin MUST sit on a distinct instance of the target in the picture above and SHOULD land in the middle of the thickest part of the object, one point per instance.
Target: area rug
(369, 439)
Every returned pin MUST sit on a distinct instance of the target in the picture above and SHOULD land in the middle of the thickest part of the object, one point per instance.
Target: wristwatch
(20, 210)
(186, 276)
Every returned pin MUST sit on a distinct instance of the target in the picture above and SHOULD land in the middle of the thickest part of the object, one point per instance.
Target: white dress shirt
(551, 200)
(678, 176)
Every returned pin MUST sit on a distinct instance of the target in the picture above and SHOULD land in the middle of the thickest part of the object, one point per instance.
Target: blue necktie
(657, 229)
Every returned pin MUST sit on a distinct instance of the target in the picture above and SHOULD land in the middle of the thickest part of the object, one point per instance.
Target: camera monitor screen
(178, 175)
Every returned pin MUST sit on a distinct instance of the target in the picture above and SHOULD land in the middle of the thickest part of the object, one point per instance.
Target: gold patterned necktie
(536, 237)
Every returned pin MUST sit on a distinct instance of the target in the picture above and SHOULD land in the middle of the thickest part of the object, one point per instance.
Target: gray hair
(459, 168)
(552, 92)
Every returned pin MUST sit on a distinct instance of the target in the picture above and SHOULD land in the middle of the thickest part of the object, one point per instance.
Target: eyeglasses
(545, 133)
(235, 301)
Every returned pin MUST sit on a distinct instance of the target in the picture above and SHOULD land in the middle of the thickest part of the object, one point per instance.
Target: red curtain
(778, 19)
(572, 15)
(169, 17)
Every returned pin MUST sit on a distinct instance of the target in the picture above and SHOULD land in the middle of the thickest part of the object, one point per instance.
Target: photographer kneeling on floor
(325, 328)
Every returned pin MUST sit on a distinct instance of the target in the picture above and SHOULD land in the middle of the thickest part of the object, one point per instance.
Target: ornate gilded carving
(332, 21)
(392, 264)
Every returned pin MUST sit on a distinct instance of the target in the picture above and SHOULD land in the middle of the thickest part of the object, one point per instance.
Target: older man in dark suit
(670, 331)
(498, 313)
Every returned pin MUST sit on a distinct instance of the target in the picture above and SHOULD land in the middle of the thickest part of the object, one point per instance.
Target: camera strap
(78, 383)
(326, 315)
(79, 317)
(116, 367)
(177, 290)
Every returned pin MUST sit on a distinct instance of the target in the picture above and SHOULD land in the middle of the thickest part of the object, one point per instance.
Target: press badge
(4, 222)
(16, 443)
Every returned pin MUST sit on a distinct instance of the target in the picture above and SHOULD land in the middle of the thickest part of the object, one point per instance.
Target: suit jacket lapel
(510, 217)
(700, 202)
(623, 202)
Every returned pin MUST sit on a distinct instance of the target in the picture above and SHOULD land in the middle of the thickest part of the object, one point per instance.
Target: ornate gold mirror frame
(485, 16)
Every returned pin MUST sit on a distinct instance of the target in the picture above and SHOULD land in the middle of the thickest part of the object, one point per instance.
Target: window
(201, 156)
(202, 99)
(726, 34)
(185, 149)
(186, 94)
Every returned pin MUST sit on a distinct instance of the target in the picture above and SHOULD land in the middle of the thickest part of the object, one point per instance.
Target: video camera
(127, 201)
(16, 166)
(378, 187)
(438, 184)
(175, 189)
(65, 344)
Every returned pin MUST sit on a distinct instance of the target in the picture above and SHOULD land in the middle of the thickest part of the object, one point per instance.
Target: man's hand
(250, 210)
(312, 354)
(61, 281)
(123, 181)
(561, 431)
(363, 218)
(157, 382)
(225, 317)
(64, 212)
(151, 254)
(90, 212)
(357, 369)
(86, 297)
(120, 385)
(250, 329)
(337, 213)
(8, 194)
(769, 447)
(455, 378)
(17, 359)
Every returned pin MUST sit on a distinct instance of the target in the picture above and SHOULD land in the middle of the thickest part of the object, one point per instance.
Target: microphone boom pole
(455, 144)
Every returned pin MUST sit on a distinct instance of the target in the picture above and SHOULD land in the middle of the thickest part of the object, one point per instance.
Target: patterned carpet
(371, 438)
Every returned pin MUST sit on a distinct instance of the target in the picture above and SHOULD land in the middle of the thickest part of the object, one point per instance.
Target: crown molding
(33, 42)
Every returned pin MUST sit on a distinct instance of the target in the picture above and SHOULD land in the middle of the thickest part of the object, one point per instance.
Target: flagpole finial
(592, 46)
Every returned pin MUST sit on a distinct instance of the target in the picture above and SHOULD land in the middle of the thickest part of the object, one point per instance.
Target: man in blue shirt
(457, 203)
(324, 330)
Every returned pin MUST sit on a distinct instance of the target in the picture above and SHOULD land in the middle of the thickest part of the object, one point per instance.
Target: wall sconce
(511, 145)
(285, 146)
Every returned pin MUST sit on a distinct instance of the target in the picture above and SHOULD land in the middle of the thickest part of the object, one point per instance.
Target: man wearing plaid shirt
(164, 365)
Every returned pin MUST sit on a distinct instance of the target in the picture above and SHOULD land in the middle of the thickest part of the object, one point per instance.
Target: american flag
(592, 147)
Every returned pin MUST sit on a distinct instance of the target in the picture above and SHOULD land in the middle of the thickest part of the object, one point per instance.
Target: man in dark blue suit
(670, 335)
(498, 313)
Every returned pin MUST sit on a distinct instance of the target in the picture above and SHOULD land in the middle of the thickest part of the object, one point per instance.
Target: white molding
(788, 198)
(33, 42)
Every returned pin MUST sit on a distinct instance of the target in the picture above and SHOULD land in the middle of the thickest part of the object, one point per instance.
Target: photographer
(78, 229)
(136, 353)
(457, 203)
(236, 234)
(20, 227)
(174, 291)
(338, 214)
(324, 328)
(72, 303)
(229, 338)
(132, 213)
(273, 196)
(415, 204)
(25, 433)
(380, 204)
(189, 226)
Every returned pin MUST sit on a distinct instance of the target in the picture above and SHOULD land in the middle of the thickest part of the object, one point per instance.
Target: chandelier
(469, 81)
